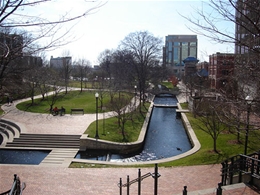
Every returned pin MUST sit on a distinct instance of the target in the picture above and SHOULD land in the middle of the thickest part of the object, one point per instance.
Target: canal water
(166, 136)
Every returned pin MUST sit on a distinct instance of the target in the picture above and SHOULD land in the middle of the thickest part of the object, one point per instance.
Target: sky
(105, 27)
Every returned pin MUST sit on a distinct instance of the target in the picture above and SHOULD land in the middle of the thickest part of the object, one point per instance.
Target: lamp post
(249, 102)
(96, 95)
(135, 94)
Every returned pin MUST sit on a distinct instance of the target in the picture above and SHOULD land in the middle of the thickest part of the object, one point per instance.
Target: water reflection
(166, 136)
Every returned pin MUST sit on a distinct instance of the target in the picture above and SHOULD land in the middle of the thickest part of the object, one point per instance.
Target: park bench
(76, 110)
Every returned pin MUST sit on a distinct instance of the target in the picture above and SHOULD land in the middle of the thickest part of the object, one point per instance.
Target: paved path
(46, 180)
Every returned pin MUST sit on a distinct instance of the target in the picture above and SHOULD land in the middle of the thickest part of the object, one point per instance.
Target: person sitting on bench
(62, 110)
(55, 111)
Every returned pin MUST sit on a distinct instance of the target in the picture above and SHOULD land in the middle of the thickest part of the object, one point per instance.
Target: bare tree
(123, 113)
(211, 120)
(66, 69)
(53, 96)
(146, 50)
(17, 18)
(81, 68)
(46, 77)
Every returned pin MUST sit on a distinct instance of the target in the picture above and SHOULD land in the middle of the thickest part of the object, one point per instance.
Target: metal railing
(154, 175)
(17, 187)
(239, 166)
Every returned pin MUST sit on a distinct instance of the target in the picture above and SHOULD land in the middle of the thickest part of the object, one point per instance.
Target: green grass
(1, 111)
(168, 85)
(109, 130)
(74, 99)
(77, 84)
(184, 105)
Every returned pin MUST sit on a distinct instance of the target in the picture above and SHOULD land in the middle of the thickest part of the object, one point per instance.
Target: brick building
(221, 66)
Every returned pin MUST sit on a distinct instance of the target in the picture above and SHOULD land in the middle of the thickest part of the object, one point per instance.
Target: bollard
(156, 179)
(128, 186)
(139, 182)
(185, 192)
(120, 186)
(219, 189)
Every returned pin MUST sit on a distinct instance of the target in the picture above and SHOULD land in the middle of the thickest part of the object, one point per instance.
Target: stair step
(42, 146)
(46, 141)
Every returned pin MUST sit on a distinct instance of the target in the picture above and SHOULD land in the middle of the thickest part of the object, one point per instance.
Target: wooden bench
(76, 110)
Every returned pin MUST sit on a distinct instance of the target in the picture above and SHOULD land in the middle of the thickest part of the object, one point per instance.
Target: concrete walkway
(46, 180)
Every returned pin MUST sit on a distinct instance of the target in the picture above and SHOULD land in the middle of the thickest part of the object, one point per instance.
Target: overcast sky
(107, 26)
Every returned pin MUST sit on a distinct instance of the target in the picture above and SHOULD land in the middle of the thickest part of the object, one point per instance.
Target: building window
(193, 52)
(176, 52)
(170, 46)
(185, 49)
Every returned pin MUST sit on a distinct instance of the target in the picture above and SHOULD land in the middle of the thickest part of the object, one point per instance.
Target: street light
(135, 94)
(249, 102)
(96, 95)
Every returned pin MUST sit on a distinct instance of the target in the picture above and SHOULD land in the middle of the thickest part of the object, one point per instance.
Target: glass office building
(177, 48)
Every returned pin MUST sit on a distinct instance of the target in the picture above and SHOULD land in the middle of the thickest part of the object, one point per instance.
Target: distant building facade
(220, 68)
(32, 61)
(202, 66)
(60, 62)
(176, 49)
(11, 45)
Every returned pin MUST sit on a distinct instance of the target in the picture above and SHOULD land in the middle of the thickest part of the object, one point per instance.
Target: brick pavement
(93, 181)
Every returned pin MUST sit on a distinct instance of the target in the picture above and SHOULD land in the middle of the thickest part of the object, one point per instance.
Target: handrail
(240, 164)
(137, 179)
(16, 188)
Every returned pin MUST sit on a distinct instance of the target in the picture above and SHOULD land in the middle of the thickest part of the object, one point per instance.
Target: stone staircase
(8, 131)
(63, 148)
(46, 141)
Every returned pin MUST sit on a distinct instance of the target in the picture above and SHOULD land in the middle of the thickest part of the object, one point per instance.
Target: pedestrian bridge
(165, 106)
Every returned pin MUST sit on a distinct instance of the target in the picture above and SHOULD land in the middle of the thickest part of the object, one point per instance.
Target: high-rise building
(177, 48)
(247, 26)
(247, 46)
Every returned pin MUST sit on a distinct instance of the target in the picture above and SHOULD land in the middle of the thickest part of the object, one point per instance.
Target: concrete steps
(59, 157)
(8, 131)
(46, 141)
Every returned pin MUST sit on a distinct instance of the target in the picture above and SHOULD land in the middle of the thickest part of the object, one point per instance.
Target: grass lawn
(73, 99)
(77, 84)
(109, 129)
(1, 111)
(168, 84)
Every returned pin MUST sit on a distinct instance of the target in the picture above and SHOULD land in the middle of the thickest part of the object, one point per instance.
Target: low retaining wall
(122, 148)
